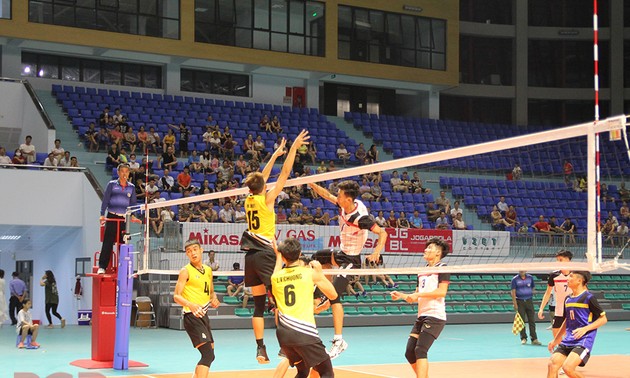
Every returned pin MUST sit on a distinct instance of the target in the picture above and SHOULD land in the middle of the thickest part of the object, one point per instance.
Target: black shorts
(198, 329)
(557, 321)
(584, 353)
(260, 260)
(310, 354)
(552, 308)
(430, 325)
(340, 258)
(183, 146)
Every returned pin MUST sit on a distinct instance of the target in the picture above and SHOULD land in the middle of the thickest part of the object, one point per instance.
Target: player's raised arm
(323, 192)
(300, 140)
(382, 239)
(321, 281)
(276, 154)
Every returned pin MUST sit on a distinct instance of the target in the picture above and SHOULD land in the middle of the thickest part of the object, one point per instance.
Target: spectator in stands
(264, 124)
(295, 197)
(432, 212)
(105, 118)
(102, 138)
(554, 226)
(456, 210)
(65, 160)
(624, 193)
(18, 158)
(58, 151)
(372, 155)
(275, 125)
(143, 139)
(184, 138)
(194, 162)
(207, 135)
(624, 212)
(312, 153)
(241, 166)
(259, 146)
(210, 122)
(197, 213)
(502, 205)
(113, 156)
(168, 159)
(74, 163)
(248, 147)
(184, 181)
(117, 118)
(517, 172)
(406, 181)
(220, 184)
(28, 150)
(227, 170)
(360, 154)
(397, 184)
(281, 215)
(307, 217)
(442, 222)
(331, 166)
(135, 170)
(510, 216)
(365, 190)
(376, 192)
(235, 283)
(498, 223)
(152, 191)
(343, 154)
(168, 140)
(50, 161)
(605, 194)
(458, 222)
(239, 214)
(130, 139)
(294, 217)
(392, 222)
(415, 221)
(354, 283)
(4, 159)
(613, 219)
(322, 218)
(543, 227)
(116, 136)
(154, 139)
(123, 156)
(567, 169)
(443, 203)
(185, 213)
(167, 181)
(568, 228)
(417, 186)
(212, 262)
(380, 220)
(227, 213)
(205, 160)
(522, 299)
(211, 214)
(608, 230)
(228, 148)
(402, 221)
(141, 193)
(91, 137)
(524, 229)
(622, 233)
(156, 222)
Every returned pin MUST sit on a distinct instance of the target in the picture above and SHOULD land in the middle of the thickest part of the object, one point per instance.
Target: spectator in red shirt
(392, 222)
(567, 168)
(184, 180)
(542, 226)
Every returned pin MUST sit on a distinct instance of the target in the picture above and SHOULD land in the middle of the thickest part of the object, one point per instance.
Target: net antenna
(589, 129)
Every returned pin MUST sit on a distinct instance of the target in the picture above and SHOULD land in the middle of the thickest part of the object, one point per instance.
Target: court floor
(483, 350)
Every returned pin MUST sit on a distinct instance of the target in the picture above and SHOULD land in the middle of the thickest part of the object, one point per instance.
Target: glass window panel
(203, 82)
(147, 7)
(261, 14)
(186, 80)
(111, 73)
(261, 40)
(438, 61)
(345, 19)
(220, 83)
(296, 44)
(343, 50)
(279, 16)
(64, 15)
(240, 85)
(296, 20)
(226, 11)
(86, 3)
(151, 77)
(407, 30)
(393, 29)
(86, 18)
(169, 8)
(5, 9)
(375, 53)
(423, 59)
(377, 20)
(133, 75)
(244, 15)
(111, 4)
(423, 40)
(48, 67)
(29, 64)
(407, 58)
(128, 6)
(204, 10)
(105, 20)
(148, 25)
(439, 35)
(128, 23)
(40, 12)
(170, 28)
(70, 69)
(244, 38)
(278, 42)
(91, 71)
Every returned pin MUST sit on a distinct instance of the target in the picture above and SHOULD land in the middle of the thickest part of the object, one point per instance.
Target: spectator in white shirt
(58, 151)
(4, 159)
(502, 205)
(65, 161)
(458, 222)
(456, 210)
(343, 154)
(50, 161)
(239, 214)
(227, 213)
(28, 150)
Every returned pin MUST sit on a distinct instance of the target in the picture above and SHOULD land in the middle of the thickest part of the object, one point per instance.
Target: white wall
(271, 89)
(67, 199)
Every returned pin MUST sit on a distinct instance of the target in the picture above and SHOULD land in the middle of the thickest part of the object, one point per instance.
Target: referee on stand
(119, 195)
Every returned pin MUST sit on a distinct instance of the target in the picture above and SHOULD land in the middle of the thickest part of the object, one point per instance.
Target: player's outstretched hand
(301, 139)
(541, 315)
(397, 295)
(315, 265)
(373, 257)
(281, 148)
(275, 248)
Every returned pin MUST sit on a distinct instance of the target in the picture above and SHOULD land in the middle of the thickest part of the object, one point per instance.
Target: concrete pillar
(312, 93)
(520, 61)
(172, 78)
(434, 104)
(11, 61)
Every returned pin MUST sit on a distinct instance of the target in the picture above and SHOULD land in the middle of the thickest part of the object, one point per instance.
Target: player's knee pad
(410, 351)
(422, 351)
(259, 306)
(207, 354)
(325, 369)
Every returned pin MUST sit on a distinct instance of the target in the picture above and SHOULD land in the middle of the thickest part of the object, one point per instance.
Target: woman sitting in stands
(275, 125)
(18, 158)
(497, 219)
(113, 156)
(372, 155)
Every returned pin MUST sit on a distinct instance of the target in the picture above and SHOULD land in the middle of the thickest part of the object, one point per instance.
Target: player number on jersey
(252, 220)
(206, 288)
(289, 295)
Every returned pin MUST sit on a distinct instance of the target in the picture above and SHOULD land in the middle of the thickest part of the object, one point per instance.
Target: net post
(593, 235)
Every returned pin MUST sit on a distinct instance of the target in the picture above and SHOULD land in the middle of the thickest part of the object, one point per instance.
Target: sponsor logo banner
(480, 242)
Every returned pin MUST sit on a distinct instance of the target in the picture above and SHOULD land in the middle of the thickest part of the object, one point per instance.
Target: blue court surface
(170, 351)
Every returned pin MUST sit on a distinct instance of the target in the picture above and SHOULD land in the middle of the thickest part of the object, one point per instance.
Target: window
(90, 70)
(82, 266)
(215, 82)
(487, 11)
(156, 18)
(293, 26)
(5, 9)
(390, 38)
(564, 112)
(476, 68)
(476, 109)
(568, 13)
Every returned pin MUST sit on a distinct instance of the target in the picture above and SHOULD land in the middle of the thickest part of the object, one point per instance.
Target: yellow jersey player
(194, 291)
(292, 287)
(261, 233)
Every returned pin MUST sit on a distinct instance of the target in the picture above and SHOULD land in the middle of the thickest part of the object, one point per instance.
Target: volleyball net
(549, 179)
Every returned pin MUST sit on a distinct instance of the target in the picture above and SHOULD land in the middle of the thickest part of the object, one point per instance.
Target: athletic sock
(260, 342)
(337, 337)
